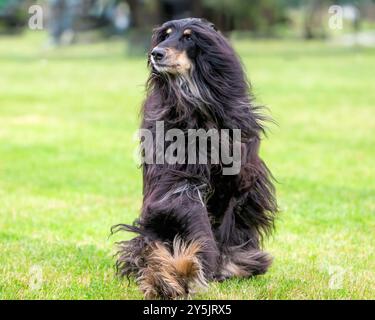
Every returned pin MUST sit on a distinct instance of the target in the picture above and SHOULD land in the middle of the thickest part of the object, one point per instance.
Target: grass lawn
(67, 174)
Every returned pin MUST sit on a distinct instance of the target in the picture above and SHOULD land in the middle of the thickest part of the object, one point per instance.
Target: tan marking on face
(178, 60)
(187, 32)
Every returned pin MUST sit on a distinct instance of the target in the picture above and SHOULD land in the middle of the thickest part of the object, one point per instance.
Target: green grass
(67, 120)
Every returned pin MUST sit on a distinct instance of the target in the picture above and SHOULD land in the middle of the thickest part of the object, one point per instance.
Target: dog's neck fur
(191, 100)
(186, 95)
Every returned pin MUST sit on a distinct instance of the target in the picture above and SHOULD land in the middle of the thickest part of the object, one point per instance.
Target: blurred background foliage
(70, 20)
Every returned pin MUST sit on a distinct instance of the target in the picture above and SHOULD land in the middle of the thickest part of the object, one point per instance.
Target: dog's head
(178, 45)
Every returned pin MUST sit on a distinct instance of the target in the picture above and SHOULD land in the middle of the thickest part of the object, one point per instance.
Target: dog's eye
(167, 33)
(188, 37)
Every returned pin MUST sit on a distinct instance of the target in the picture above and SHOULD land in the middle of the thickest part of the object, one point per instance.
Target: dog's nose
(158, 54)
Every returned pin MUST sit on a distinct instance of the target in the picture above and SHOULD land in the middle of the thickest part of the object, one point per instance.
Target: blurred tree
(256, 15)
(313, 22)
(13, 15)
(135, 11)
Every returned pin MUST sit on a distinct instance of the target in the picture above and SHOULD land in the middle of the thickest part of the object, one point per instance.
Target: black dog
(197, 224)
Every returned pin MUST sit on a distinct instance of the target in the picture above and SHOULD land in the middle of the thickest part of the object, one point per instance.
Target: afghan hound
(198, 224)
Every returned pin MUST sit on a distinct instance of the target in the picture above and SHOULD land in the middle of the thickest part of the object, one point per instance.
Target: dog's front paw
(172, 275)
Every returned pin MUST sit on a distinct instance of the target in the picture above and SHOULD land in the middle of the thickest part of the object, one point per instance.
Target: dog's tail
(172, 271)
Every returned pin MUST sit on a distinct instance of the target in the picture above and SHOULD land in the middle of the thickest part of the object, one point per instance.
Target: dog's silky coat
(197, 224)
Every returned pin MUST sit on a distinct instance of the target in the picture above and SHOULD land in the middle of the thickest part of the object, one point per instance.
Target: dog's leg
(241, 255)
(184, 253)
(241, 261)
(163, 270)
(248, 217)
(172, 271)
